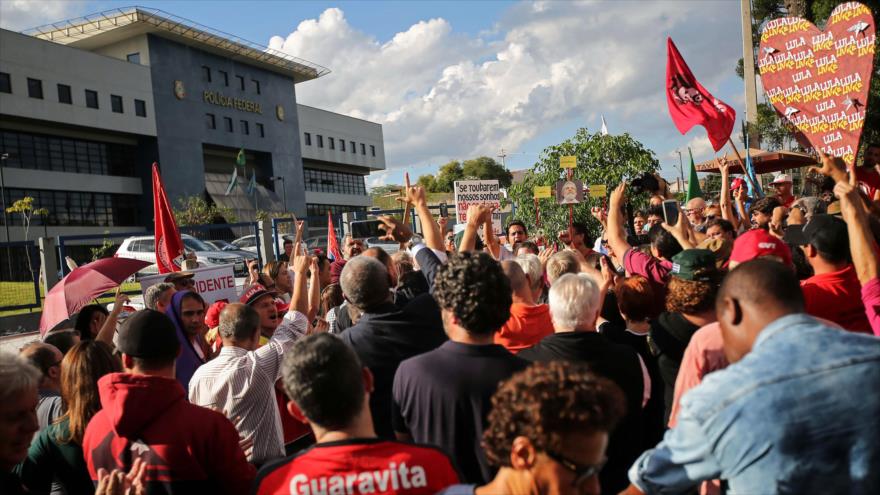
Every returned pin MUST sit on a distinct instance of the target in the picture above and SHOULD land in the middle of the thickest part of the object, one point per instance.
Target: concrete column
(267, 250)
(48, 262)
(347, 217)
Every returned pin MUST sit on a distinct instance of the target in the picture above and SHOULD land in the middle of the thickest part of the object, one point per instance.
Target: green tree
(486, 168)
(770, 126)
(446, 177)
(600, 160)
(194, 210)
(25, 208)
(428, 182)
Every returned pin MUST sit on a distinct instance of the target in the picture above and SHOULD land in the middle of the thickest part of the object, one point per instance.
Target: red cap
(254, 292)
(212, 316)
(737, 183)
(757, 243)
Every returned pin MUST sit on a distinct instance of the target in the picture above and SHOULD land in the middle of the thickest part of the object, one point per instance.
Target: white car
(389, 247)
(143, 248)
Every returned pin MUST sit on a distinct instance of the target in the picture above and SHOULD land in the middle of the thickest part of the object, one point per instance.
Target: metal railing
(19, 281)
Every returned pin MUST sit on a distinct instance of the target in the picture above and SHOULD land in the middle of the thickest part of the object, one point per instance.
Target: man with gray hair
(47, 359)
(386, 334)
(240, 380)
(158, 296)
(574, 308)
(18, 416)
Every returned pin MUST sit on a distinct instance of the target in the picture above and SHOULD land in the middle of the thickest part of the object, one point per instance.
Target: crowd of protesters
(735, 350)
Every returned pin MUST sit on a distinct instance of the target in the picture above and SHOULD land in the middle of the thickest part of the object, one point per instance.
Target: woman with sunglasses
(548, 431)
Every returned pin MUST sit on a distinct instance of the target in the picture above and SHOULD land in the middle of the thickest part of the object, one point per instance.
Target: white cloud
(442, 95)
(18, 15)
(378, 179)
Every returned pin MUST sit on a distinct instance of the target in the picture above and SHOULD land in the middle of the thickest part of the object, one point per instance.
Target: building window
(209, 121)
(332, 143)
(308, 139)
(91, 98)
(353, 149)
(372, 150)
(134, 58)
(363, 149)
(227, 123)
(206, 73)
(342, 145)
(69, 208)
(35, 88)
(260, 130)
(240, 82)
(320, 141)
(64, 94)
(5, 83)
(334, 182)
(42, 152)
(224, 76)
(140, 108)
(244, 127)
(256, 85)
(116, 103)
(319, 210)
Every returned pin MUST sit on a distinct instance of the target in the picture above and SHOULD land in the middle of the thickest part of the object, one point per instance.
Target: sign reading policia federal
(216, 98)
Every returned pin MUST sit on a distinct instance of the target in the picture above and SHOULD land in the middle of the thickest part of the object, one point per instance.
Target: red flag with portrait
(690, 104)
(168, 245)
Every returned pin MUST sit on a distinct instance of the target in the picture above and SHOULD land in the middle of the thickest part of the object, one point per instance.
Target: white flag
(604, 130)
(233, 181)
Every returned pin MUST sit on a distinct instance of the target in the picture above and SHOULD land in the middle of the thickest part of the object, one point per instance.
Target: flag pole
(743, 165)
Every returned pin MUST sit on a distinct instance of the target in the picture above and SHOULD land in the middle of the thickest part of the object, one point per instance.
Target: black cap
(826, 233)
(148, 334)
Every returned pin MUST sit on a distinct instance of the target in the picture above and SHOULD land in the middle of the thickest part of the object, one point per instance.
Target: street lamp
(680, 170)
(283, 188)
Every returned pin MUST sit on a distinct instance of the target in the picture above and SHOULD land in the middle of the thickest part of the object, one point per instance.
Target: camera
(646, 182)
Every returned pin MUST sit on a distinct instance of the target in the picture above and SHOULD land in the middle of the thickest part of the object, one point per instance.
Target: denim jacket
(799, 414)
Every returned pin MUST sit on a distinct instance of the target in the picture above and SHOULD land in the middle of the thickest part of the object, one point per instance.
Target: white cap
(782, 179)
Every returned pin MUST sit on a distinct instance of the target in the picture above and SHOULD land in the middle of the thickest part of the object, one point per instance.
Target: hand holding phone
(670, 212)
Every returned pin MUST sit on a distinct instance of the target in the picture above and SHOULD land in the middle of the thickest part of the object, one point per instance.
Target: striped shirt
(240, 383)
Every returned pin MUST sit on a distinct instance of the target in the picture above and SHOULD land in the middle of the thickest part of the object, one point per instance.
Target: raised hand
(832, 167)
(301, 264)
(414, 195)
(395, 230)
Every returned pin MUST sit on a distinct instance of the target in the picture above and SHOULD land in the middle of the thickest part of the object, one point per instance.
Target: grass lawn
(18, 293)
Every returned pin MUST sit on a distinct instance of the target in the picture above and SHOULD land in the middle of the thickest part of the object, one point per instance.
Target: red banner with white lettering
(169, 246)
(690, 104)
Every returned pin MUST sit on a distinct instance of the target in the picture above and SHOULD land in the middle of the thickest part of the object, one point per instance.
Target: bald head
(519, 284)
(365, 282)
(239, 325)
(383, 257)
(46, 358)
(754, 295)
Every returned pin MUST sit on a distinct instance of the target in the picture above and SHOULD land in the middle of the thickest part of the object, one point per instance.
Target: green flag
(694, 190)
(240, 158)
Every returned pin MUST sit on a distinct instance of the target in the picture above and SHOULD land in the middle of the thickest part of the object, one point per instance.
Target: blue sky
(454, 80)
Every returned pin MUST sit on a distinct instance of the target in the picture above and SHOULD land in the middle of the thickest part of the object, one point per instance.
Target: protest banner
(543, 192)
(597, 190)
(568, 161)
(468, 192)
(569, 192)
(213, 283)
(819, 80)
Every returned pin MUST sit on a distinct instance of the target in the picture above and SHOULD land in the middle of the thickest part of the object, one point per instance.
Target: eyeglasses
(581, 473)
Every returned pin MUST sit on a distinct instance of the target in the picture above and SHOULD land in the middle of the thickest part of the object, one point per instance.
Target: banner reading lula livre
(468, 192)
(213, 283)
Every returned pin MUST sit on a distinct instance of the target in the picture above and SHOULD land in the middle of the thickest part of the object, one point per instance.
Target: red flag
(690, 104)
(332, 244)
(169, 246)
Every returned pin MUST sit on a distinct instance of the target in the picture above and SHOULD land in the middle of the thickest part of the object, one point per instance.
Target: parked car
(143, 248)
(221, 245)
(246, 243)
(390, 247)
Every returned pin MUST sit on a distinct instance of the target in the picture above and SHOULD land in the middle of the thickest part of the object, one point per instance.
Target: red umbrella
(82, 285)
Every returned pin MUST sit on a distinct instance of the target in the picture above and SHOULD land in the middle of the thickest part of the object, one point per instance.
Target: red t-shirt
(526, 326)
(868, 179)
(366, 465)
(837, 297)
